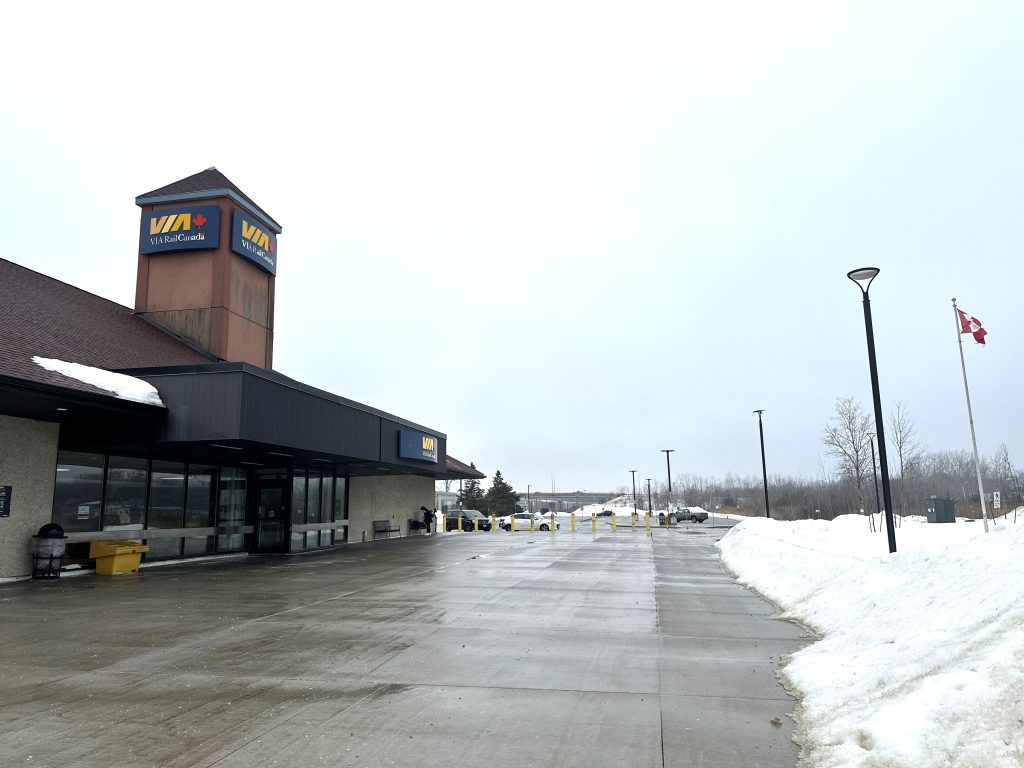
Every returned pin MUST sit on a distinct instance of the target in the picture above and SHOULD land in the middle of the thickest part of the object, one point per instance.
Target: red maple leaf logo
(199, 220)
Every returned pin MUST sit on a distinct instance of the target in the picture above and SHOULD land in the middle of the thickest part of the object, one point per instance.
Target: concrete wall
(386, 498)
(28, 462)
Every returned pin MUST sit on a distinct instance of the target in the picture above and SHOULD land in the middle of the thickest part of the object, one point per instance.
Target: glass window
(200, 508)
(125, 505)
(78, 491)
(231, 508)
(166, 506)
(340, 508)
(298, 509)
(326, 488)
(313, 508)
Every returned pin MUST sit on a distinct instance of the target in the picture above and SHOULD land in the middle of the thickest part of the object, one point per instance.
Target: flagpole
(970, 415)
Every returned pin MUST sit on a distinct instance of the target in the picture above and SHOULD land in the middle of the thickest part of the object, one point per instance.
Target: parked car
(467, 516)
(523, 520)
(694, 515)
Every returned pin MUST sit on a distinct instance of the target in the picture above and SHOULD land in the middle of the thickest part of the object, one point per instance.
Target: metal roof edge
(279, 379)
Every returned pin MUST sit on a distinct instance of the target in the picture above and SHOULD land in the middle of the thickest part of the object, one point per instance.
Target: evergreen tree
(471, 496)
(501, 498)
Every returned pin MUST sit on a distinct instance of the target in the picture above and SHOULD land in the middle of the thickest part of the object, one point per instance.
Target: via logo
(256, 236)
(174, 222)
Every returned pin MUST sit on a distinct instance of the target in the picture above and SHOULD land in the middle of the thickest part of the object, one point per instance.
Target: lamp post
(863, 277)
(633, 473)
(529, 509)
(764, 467)
(650, 507)
(668, 467)
(874, 472)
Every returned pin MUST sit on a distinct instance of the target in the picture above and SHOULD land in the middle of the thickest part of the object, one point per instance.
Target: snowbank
(921, 661)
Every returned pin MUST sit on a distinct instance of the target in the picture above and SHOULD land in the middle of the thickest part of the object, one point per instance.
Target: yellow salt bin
(116, 556)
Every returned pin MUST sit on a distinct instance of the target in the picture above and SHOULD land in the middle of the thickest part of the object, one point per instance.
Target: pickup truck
(694, 515)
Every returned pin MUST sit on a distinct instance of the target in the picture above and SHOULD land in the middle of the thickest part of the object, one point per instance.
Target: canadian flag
(972, 325)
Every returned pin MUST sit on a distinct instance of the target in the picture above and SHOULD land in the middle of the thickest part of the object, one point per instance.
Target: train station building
(166, 423)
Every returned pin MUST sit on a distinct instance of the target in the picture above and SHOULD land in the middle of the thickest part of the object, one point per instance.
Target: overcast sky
(565, 235)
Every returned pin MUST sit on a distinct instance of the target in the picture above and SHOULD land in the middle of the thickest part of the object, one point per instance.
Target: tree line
(848, 485)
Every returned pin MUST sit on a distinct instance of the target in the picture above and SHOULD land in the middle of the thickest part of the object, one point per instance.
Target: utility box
(941, 510)
(117, 556)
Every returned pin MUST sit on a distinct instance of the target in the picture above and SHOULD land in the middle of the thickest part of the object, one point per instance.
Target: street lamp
(668, 465)
(529, 509)
(650, 507)
(863, 277)
(633, 472)
(874, 473)
(764, 467)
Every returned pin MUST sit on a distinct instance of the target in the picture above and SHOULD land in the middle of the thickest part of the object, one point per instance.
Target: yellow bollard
(460, 523)
(533, 527)
(476, 525)
(494, 524)
(632, 522)
(551, 525)
(647, 522)
(512, 522)
(572, 521)
(593, 522)
(615, 522)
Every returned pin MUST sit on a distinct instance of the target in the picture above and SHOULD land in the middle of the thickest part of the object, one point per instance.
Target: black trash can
(48, 547)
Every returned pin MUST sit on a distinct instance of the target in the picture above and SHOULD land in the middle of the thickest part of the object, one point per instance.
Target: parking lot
(486, 649)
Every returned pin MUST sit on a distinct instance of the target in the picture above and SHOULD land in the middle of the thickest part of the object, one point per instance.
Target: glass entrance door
(271, 514)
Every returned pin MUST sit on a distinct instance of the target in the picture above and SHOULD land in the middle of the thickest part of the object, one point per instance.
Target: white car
(523, 520)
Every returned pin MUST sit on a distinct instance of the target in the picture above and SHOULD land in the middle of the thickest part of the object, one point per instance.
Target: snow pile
(921, 661)
(123, 387)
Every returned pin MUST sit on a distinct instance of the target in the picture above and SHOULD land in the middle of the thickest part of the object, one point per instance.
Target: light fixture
(863, 276)
(229, 447)
(62, 409)
(276, 453)
(251, 463)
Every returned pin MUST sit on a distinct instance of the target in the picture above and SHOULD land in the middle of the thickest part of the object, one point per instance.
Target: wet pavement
(486, 649)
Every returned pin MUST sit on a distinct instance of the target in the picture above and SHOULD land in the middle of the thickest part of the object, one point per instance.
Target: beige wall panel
(28, 463)
(386, 498)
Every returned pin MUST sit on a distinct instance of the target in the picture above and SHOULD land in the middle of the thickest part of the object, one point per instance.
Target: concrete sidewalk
(488, 649)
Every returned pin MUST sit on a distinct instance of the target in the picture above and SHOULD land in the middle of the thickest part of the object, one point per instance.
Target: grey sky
(568, 235)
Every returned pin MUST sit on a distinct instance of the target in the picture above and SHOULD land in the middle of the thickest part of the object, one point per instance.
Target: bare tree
(908, 450)
(846, 440)
(1008, 476)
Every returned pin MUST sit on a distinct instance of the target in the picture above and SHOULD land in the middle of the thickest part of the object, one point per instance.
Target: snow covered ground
(921, 656)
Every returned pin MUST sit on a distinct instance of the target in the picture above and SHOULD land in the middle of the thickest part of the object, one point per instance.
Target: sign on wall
(5, 500)
(253, 240)
(417, 445)
(192, 228)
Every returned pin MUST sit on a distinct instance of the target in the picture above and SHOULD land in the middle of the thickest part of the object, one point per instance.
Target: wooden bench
(385, 526)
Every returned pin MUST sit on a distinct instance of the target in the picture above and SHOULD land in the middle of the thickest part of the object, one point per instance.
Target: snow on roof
(122, 386)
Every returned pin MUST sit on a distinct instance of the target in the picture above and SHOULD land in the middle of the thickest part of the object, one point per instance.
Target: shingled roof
(43, 317)
(208, 183)
(458, 470)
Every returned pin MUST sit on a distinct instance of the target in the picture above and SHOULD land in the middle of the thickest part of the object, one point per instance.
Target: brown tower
(207, 261)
